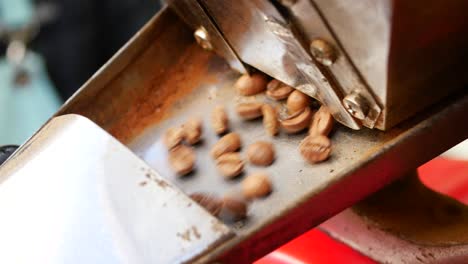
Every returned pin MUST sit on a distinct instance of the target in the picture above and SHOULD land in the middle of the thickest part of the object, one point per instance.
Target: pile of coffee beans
(300, 116)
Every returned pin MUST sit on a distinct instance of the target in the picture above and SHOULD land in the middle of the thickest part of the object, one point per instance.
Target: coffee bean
(256, 185)
(210, 202)
(230, 164)
(270, 120)
(193, 130)
(297, 101)
(315, 149)
(173, 137)
(277, 90)
(228, 143)
(253, 84)
(234, 208)
(322, 123)
(298, 121)
(220, 120)
(182, 159)
(249, 111)
(261, 153)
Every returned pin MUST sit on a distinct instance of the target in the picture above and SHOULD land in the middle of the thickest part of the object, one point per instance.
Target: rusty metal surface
(129, 77)
(74, 194)
(405, 223)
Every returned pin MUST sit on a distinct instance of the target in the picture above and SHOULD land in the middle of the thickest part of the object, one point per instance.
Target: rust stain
(162, 183)
(195, 232)
(143, 183)
(185, 235)
(161, 91)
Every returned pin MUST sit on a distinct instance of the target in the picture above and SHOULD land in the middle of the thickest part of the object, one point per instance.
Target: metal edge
(394, 159)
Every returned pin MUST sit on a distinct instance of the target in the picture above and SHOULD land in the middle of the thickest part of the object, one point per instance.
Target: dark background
(85, 34)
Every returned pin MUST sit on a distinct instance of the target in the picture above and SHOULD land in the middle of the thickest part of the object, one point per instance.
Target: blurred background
(49, 48)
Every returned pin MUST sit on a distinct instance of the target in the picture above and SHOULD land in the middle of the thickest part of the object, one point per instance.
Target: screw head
(203, 38)
(356, 105)
(323, 51)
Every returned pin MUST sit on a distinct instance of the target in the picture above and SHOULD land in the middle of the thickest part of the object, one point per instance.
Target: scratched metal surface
(93, 201)
(296, 183)
(292, 177)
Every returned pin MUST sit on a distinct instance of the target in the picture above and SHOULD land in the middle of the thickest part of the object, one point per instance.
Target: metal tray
(161, 78)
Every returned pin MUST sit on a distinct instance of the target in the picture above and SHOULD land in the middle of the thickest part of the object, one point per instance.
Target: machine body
(110, 131)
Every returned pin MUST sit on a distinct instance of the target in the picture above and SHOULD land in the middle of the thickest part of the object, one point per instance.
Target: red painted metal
(443, 175)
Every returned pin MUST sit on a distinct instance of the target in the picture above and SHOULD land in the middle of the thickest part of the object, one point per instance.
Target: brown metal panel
(412, 53)
(427, 57)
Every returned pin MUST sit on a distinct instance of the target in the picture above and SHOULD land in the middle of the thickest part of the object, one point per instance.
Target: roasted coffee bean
(182, 159)
(256, 185)
(315, 149)
(249, 111)
(230, 164)
(253, 84)
(228, 143)
(322, 123)
(234, 208)
(277, 90)
(270, 120)
(210, 202)
(220, 120)
(193, 130)
(261, 153)
(298, 121)
(297, 101)
(173, 137)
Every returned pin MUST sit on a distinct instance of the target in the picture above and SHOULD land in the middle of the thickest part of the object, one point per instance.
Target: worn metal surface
(392, 52)
(402, 82)
(74, 194)
(193, 14)
(137, 72)
(313, 26)
(304, 195)
(412, 53)
(264, 39)
(405, 223)
(363, 29)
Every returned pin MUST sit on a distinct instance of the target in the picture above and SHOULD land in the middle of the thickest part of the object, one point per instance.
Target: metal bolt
(288, 3)
(323, 51)
(203, 38)
(356, 105)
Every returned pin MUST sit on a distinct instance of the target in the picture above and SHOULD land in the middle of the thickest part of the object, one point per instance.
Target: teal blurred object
(16, 13)
(23, 109)
(24, 106)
